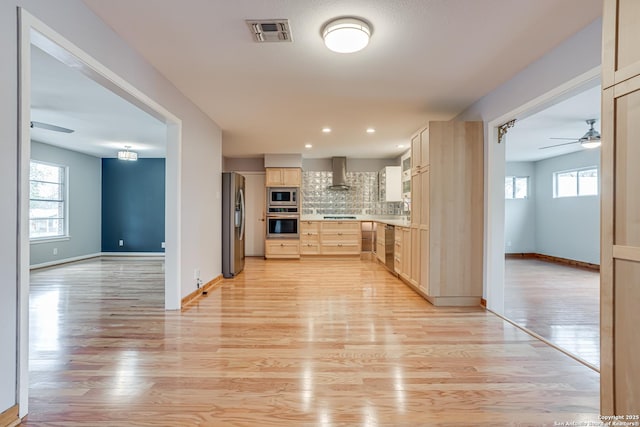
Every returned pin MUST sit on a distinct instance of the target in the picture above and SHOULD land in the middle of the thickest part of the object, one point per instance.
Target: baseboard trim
(9, 417)
(133, 254)
(63, 261)
(217, 281)
(555, 260)
(139, 255)
(483, 302)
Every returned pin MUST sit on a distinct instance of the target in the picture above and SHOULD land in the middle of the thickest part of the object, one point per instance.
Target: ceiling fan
(48, 126)
(591, 139)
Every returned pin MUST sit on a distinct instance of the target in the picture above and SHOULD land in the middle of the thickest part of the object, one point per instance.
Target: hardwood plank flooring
(558, 302)
(286, 343)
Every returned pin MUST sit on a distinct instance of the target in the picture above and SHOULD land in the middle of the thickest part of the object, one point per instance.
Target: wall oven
(283, 226)
(282, 196)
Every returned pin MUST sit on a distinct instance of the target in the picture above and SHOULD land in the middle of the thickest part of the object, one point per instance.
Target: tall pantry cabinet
(447, 212)
(620, 216)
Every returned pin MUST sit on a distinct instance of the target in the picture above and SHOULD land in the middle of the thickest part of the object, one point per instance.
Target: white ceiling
(427, 60)
(565, 119)
(103, 122)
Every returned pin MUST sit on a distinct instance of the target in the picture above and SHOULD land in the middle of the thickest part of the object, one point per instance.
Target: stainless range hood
(339, 168)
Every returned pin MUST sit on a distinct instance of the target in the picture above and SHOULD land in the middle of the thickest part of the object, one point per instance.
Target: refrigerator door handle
(242, 213)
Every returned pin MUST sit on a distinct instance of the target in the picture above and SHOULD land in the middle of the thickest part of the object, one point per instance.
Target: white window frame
(514, 178)
(65, 203)
(577, 171)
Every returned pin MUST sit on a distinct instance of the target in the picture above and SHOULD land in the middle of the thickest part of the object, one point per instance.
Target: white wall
(353, 165)
(567, 227)
(520, 214)
(8, 195)
(573, 58)
(201, 162)
(85, 190)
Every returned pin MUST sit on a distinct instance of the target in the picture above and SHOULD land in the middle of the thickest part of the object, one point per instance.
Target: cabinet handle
(281, 244)
(340, 244)
(339, 234)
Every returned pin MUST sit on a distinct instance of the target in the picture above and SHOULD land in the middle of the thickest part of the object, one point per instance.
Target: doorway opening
(35, 35)
(549, 282)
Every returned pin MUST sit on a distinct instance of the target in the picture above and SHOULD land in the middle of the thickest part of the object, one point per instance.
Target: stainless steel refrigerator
(233, 221)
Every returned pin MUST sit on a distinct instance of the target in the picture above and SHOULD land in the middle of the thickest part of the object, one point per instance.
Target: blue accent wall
(133, 198)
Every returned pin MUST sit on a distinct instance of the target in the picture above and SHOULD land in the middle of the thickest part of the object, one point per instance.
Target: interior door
(255, 213)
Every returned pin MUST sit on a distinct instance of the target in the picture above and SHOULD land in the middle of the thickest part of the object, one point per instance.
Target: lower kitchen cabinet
(282, 248)
(309, 238)
(340, 238)
(380, 242)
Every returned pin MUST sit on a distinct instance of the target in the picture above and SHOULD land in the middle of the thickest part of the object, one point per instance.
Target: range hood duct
(339, 168)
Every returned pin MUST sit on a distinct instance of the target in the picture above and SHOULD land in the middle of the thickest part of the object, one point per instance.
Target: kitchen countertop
(398, 221)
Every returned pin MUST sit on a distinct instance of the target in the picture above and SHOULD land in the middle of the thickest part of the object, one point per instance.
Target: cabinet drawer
(339, 237)
(341, 226)
(282, 247)
(309, 227)
(341, 249)
(309, 237)
(309, 248)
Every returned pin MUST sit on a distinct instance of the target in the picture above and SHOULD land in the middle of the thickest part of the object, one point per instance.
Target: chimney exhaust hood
(339, 168)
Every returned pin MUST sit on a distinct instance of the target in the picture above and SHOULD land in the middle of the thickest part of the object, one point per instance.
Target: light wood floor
(286, 343)
(558, 302)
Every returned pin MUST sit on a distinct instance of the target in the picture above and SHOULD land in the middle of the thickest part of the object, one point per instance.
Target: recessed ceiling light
(346, 35)
(371, 130)
(400, 146)
(308, 146)
(326, 130)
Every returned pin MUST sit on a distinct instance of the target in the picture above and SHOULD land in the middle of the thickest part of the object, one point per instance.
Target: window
(516, 187)
(576, 182)
(47, 201)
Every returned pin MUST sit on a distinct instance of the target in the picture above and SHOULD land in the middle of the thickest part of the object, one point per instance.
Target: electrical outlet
(55, 251)
(120, 242)
(162, 245)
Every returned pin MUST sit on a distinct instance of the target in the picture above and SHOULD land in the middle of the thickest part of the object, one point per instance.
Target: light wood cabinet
(380, 242)
(282, 248)
(620, 212)
(414, 275)
(397, 251)
(419, 151)
(340, 238)
(447, 213)
(283, 177)
(406, 254)
(309, 238)
(621, 38)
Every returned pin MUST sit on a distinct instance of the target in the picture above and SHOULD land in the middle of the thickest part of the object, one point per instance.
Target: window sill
(49, 240)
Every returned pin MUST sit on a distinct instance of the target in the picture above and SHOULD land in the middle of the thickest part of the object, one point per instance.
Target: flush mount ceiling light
(371, 130)
(127, 155)
(346, 35)
(326, 130)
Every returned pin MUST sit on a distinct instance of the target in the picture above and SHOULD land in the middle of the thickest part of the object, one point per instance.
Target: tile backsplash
(361, 199)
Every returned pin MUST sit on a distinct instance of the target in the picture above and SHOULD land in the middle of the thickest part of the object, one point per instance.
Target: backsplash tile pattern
(361, 199)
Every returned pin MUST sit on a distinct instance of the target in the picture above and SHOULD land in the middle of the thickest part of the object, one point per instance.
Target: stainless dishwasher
(389, 242)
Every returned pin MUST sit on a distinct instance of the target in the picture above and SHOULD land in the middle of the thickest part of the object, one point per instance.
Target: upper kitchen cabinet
(420, 151)
(283, 177)
(405, 162)
(390, 184)
(621, 38)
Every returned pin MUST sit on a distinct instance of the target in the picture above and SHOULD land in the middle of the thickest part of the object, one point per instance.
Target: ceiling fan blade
(47, 126)
(568, 139)
(558, 145)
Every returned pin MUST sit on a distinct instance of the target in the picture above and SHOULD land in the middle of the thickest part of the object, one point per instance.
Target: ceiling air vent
(270, 30)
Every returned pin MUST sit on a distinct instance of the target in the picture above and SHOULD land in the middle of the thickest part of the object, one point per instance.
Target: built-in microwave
(283, 226)
(282, 196)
